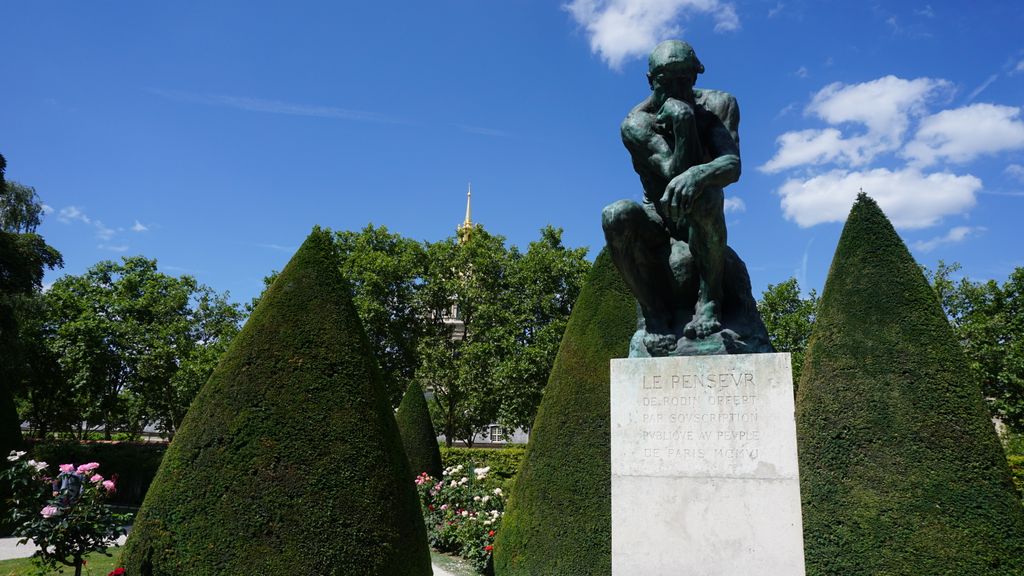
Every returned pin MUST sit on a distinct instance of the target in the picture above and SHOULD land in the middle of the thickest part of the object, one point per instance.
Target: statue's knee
(711, 202)
(616, 216)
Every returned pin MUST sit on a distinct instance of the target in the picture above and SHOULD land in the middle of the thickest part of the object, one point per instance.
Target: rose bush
(66, 516)
(462, 513)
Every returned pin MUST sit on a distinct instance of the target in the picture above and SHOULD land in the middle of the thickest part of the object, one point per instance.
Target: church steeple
(467, 224)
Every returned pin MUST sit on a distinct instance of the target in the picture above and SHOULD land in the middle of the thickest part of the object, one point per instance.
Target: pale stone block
(705, 478)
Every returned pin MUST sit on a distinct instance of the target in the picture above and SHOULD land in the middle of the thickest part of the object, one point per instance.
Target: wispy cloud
(113, 247)
(265, 106)
(734, 204)
(801, 72)
(1018, 68)
(981, 88)
(69, 214)
(139, 227)
(482, 131)
(624, 29)
(277, 247)
(954, 236)
(1015, 171)
(773, 12)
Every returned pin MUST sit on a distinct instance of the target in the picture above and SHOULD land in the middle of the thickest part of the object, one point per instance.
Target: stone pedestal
(704, 467)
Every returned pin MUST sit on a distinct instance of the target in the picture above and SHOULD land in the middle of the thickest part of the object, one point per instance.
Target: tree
(470, 277)
(24, 257)
(135, 344)
(20, 208)
(900, 468)
(383, 269)
(418, 435)
(558, 521)
(545, 283)
(289, 461)
(789, 319)
(988, 320)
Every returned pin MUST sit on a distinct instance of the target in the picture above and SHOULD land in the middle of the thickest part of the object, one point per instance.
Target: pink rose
(96, 479)
(67, 468)
(49, 511)
(108, 485)
(88, 467)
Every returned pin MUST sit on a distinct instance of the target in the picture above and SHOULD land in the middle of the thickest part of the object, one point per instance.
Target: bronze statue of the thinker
(693, 291)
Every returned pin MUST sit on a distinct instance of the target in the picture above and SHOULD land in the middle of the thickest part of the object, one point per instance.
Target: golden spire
(467, 225)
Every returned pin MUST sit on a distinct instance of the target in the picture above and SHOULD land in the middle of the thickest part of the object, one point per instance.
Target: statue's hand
(681, 193)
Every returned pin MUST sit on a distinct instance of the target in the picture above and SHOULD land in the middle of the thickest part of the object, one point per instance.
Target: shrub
(289, 460)
(901, 472)
(503, 463)
(462, 513)
(417, 432)
(133, 463)
(65, 516)
(559, 512)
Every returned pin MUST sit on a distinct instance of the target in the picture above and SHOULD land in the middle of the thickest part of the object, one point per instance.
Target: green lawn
(100, 565)
(96, 564)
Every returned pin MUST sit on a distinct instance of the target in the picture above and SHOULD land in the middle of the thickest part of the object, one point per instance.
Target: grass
(99, 565)
(96, 564)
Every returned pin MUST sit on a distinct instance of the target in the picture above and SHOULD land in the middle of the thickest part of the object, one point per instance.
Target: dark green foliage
(901, 471)
(289, 460)
(418, 434)
(134, 463)
(558, 521)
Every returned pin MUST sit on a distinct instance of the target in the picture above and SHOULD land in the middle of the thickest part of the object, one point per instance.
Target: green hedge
(901, 471)
(418, 436)
(558, 519)
(1017, 469)
(289, 460)
(503, 462)
(134, 463)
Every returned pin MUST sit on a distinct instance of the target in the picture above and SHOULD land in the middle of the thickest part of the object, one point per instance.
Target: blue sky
(213, 135)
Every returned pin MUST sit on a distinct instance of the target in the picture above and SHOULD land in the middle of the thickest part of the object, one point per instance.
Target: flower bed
(462, 513)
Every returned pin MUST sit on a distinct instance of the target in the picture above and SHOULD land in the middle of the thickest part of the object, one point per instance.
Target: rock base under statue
(704, 467)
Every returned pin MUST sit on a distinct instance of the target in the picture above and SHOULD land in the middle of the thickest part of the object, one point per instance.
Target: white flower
(14, 455)
(39, 466)
(476, 498)
(463, 481)
(481, 473)
(497, 491)
(488, 522)
(485, 499)
(465, 512)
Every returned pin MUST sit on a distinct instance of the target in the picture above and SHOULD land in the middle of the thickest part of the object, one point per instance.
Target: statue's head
(673, 67)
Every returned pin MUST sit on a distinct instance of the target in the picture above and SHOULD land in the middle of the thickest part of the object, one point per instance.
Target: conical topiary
(901, 471)
(418, 434)
(289, 460)
(558, 520)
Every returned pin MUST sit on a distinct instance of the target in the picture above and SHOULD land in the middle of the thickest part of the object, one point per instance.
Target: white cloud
(1019, 68)
(884, 107)
(734, 204)
(954, 236)
(773, 12)
(102, 232)
(1015, 171)
(622, 29)
(69, 214)
(114, 247)
(139, 227)
(801, 72)
(962, 134)
(909, 198)
(47, 209)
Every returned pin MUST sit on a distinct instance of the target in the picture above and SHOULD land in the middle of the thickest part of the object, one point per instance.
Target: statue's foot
(705, 322)
(659, 344)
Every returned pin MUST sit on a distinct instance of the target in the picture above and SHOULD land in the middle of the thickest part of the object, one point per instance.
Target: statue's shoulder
(723, 105)
(636, 127)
